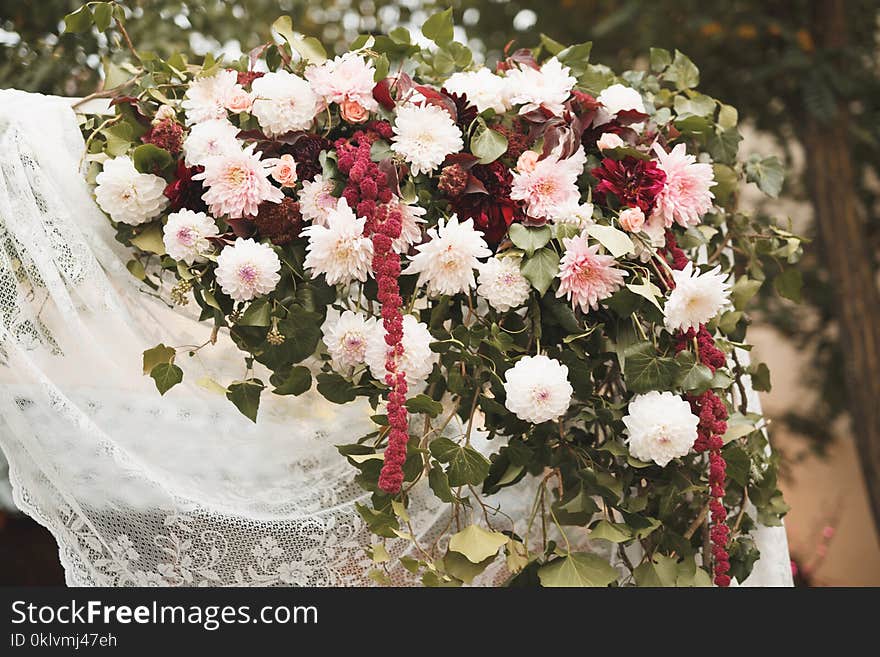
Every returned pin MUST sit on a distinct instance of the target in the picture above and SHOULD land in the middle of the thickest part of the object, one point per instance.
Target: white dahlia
(410, 230)
(549, 86)
(537, 389)
(316, 200)
(446, 262)
(247, 269)
(618, 98)
(660, 427)
(128, 196)
(696, 298)
(424, 135)
(346, 337)
(205, 98)
(502, 284)
(348, 77)
(186, 235)
(576, 214)
(483, 89)
(283, 102)
(339, 250)
(210, 139)
(417, 360)
(237, 183)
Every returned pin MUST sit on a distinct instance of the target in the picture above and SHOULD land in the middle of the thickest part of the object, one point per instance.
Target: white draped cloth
(180, 490)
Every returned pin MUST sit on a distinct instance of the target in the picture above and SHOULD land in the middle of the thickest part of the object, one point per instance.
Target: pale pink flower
(238, 100)
(585, 276)
(632, 219)
(237, 183)
(685, 196)
(348, 77)
(284, 171)
(353, 112)
(608, 141)
(527, 161)
(550, 188)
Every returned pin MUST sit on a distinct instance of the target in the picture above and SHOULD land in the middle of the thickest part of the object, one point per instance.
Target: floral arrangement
(544, 250)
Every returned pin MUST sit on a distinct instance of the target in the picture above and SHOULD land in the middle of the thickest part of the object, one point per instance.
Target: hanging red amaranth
(368, 192)
(713, 424)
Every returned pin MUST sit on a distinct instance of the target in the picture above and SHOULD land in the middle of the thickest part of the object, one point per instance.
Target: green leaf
(541, 268)
(760, 374)
(660, 59)
(738, 463)
(646, 370)
(683, 72)
(246, 397)
(648, 291)
(728, 117)
(577, 570)
(768, 173)
(136, 269)
(459, 566)
(487, 144)
(336, 388)
(788, 284)
(615, 532)
(148, 158)
(439, 483)
(150, 240)
(424, 404)
(530, 239)
(166, 376)
(309, 48)
(477, 543)
(659, 571)
(692, 375)
(298, 381)
(743, 290)
(738, 425)
(723, 145)
(103, 14)
(256, 314)
(698, 105)
(439, 28)
(551, 45)
(78, 21)
(466, 465)
(616, 241)
(156, 356)
(726, 182)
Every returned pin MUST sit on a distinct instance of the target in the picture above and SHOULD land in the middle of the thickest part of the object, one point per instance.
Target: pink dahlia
(685, 197)
(548, 187)
(585, 276)
(237, 183)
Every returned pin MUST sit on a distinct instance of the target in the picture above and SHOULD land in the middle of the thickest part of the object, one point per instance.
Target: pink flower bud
(353, 112)
(284, 171)
(527, 161)
(609, 140)
(632, 219)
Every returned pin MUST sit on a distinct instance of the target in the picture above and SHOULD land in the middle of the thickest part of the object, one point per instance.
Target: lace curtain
(182, 490)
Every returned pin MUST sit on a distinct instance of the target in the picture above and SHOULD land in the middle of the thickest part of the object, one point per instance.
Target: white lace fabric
(182, 490)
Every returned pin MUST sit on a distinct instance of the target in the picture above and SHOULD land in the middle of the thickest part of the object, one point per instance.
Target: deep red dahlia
(493, 211)
(279, 222)
(184, 192)
(634, 182)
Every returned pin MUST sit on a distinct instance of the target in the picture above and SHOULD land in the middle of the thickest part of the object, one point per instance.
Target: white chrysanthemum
(550, 86)
(210, 139)
(424, 135)
(186, 235)
(128, 196)
(339, 250)
(696, 298)
(483, 89)
(619, 98)
(237, 183)
(205, 98)
(347, 77)
(283, 102)
(576, 214)
(247, 269)
(316, 200)
(502, 284)
(660, 427)
(410, 229)
(417, 360)
(446, 262)
(346, 337)
(537, 389)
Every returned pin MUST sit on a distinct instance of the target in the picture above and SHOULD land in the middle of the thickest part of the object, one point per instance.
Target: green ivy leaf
(148, 158)
(439, 28)
(530, 239)
(246, 397)
(614, 532)
(309, 48)
(78, 21)
(150, 239)
(788, 284)
(683, 72)
(439, 483)
(465, 465)
(768, 173)
(723, 145)
(156, 356)
(760, 374)
(541, 268)
(577, 570)
(646, 370)
(477, 543)
(726, 182)
(256, 314)
(166, 376)
(487, 144)
(424, 404)
(743, 290)
(660, 59)
(336, 388)
(459, 566)
(659, 571)
(693, 376)
(298, 381)
(616, 241)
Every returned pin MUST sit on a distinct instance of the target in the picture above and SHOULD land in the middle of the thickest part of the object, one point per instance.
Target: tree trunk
(841, 228)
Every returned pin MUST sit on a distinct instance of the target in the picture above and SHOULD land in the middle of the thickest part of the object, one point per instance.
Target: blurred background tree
(806, 72)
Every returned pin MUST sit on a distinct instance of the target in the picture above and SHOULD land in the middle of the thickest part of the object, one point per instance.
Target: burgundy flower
(166, 134)
(184, 192)
(518, 139)
(464, 111)
(246, 77)
(279, 222)
(492, 210)
(634, 182)
(305, 151)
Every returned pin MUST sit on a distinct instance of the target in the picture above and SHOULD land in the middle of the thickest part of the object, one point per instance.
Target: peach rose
(527, 161)
(239, 101)
(609, 140)
(284, 171)
(632, 219)
(353, 112)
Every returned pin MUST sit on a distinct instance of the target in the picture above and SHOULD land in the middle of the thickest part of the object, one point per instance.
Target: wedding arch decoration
(545, 252)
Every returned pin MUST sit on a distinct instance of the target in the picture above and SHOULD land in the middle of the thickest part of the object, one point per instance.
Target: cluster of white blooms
(128, 196)
(660, 427)
(186, 235)
(537, 389)
(248, 269)
(424, 135)
(417, 360)
(446, 262)
(696, 298)
(502, 284)
(339, 250)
